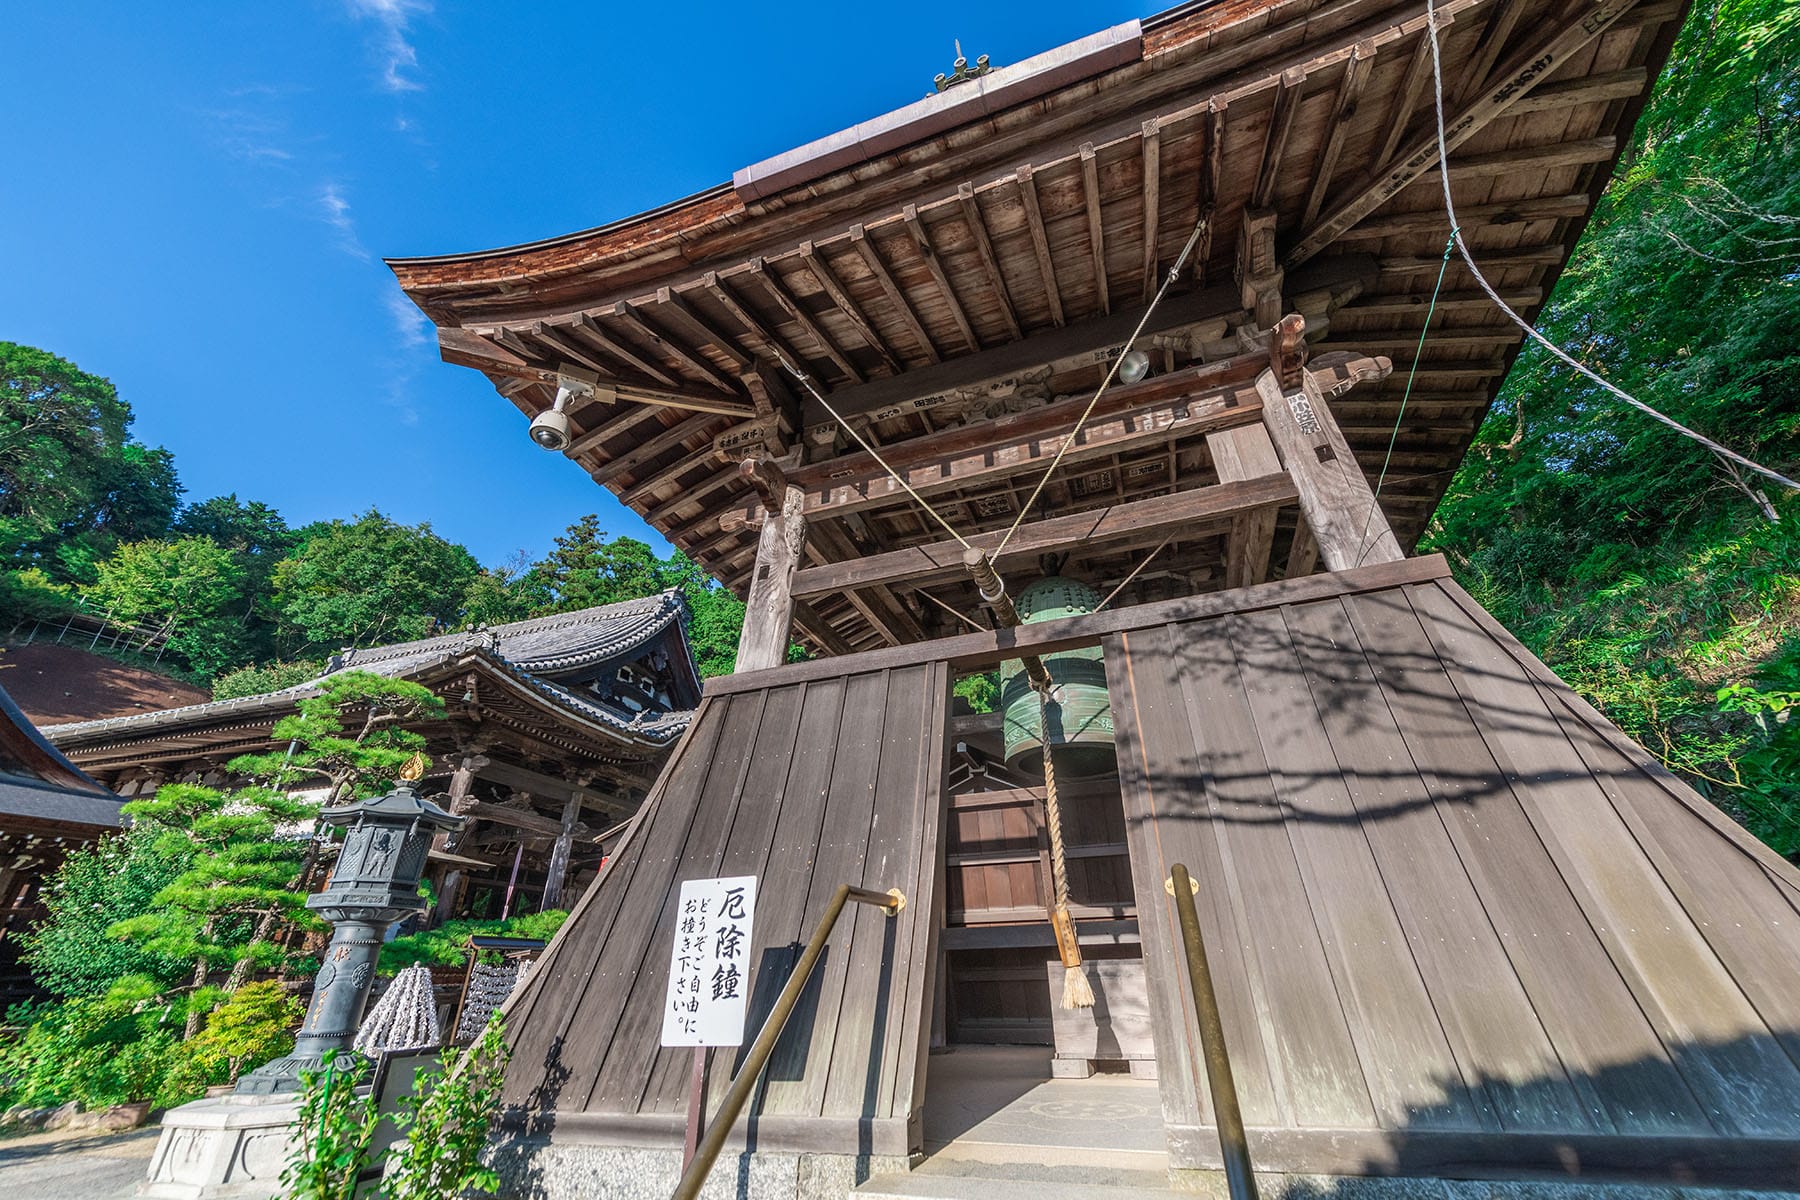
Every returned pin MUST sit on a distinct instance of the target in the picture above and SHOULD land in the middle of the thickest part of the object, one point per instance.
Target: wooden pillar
(1340, 508)
(769, 610)
(462, 796)
(559, 854)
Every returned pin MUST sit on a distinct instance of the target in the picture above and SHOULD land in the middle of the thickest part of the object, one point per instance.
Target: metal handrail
(1240, 1182)
(890, 902)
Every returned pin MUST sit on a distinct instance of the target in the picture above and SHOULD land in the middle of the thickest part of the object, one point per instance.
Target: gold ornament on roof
(414, 770)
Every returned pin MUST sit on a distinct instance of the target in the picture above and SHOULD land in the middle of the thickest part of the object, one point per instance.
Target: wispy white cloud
(334, 210)
(391, 18)
(409, 322)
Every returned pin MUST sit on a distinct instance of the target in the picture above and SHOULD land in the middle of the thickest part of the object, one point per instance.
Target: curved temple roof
(527, 655)
(985, 251)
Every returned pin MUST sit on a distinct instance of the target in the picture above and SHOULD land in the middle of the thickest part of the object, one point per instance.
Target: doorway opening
(1015, 1076)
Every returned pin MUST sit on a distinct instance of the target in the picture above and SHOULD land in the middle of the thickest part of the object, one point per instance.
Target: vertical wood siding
(806, 786)
(1454, 915)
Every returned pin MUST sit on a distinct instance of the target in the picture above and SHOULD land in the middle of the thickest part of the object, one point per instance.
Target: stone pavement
(76, 1166)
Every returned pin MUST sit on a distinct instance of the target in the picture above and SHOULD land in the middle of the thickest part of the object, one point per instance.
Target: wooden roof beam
(909, 216)
(1133, 520)
(772, 282)
(1090, 190)
(1498, 260)
(772, 345)
(1577, 153)
(1184, 404)
(871, 256)
(638, 455)
(1592, 89)
(672, 473)
(1406, 101)
(1503, 16)
(1281, 128)
(1357, 69)
(478, 348)
(925, 387)
(638, 324)
(1152, 157)
(984, 246)
(1520, 74)
(847, 305)
(590, 330)
(1433, 220)
(1040, 240)
(673, 306)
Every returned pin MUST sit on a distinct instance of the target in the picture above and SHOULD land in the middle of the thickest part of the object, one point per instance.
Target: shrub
(255, 680)
(99, 1050)
(447, 945)
(254, 1025)
(69, 951)
(333, 1132)
(446, 1120)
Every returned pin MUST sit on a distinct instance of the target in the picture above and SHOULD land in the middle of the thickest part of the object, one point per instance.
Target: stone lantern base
(223, 1148)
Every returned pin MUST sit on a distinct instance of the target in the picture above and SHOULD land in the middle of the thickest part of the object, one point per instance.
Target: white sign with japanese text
(709, 965)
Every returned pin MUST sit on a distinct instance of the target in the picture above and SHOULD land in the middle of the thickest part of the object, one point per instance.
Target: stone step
(1020, 1184)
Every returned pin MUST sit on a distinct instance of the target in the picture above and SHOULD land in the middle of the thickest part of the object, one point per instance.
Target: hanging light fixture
(1134, 367)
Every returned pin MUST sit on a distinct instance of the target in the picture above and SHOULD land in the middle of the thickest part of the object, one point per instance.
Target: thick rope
(1112, 372)
(850, 429)
(1724, 452)
(1077, 991)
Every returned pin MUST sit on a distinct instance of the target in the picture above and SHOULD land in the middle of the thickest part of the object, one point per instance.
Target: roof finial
(961, 72)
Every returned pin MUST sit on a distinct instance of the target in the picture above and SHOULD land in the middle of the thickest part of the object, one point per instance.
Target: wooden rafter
(674, 435)
(828, 280)
(1040, 240)
(984, 246)
(638, 324)
(1090, 190)
(871, 256)
(1281, 128)
(772, 345)
(1521, 73)
(1152, 158)
(590, 330)
(773, 284)
(624, 418)
(706, 455)
(699, 327)
(922, 240)
(1406, 100)
(1503, 16)
(1343, 110)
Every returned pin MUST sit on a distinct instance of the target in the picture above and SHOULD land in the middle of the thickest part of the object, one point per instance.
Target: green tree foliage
(369, 581)
(238, 888)
(71, 951)
(186, 589)
(352, 736)
(72, 481)
(99, 1050)
(255, 680)
(448, 944)
(1621, 552)
(255, 1025)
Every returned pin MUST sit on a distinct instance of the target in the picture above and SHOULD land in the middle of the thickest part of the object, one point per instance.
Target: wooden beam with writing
(1130, 521)
(1522, 72)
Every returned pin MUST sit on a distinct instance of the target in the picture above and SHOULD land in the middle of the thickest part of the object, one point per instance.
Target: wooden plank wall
(1454, 915)
(806, 786)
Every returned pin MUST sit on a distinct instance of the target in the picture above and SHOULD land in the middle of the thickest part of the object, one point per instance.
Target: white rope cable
(850, 429)
(1134, 573)
(1112, 372)
(1724, 452)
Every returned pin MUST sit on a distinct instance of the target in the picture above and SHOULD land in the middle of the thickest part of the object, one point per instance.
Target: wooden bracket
(769, 480)
(1287, 351)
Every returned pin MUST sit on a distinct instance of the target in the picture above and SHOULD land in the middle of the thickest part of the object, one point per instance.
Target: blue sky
(197, 199)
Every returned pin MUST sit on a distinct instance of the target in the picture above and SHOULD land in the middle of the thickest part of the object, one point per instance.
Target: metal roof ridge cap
(1002, 87)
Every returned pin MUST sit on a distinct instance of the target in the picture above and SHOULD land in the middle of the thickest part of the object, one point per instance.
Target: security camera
(550, 428)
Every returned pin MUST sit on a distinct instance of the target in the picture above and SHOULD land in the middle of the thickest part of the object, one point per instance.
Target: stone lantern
(375, 883)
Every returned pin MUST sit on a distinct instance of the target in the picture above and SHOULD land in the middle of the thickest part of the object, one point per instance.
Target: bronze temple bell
(1079, 716)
